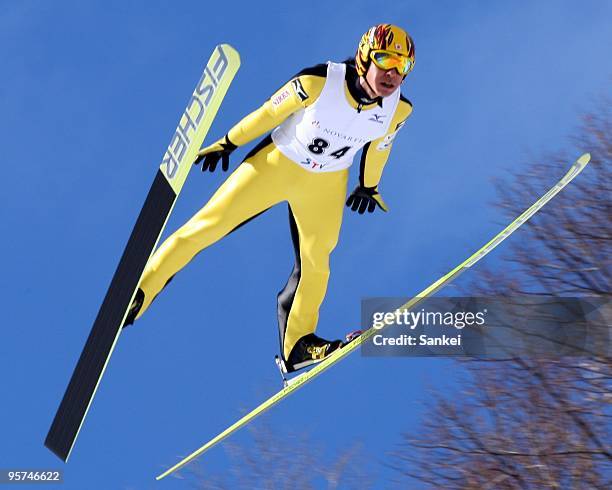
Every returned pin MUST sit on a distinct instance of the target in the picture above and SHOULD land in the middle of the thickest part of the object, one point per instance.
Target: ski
(300, 380)
(176, 163)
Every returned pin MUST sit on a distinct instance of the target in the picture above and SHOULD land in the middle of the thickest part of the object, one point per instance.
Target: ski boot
(137, 305)
(134, 308)
(309, 350)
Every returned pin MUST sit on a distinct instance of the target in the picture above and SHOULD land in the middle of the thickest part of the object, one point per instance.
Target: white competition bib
(325, 136)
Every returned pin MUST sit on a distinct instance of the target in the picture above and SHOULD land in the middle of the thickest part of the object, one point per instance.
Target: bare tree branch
(533, 423)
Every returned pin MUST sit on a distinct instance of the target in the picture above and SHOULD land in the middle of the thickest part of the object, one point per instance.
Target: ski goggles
(387, 61)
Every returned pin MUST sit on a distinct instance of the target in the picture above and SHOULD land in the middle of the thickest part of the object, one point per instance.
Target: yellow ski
(299, 381)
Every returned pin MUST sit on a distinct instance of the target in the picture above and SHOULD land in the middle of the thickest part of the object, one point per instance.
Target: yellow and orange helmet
(388, 46)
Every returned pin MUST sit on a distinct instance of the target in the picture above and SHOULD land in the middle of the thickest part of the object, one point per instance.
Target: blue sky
(91, 93)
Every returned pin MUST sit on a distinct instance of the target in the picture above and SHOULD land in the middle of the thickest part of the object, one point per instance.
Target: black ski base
(98, 348)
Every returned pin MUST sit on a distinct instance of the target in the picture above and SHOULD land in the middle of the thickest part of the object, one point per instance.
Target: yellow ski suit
(267, 177)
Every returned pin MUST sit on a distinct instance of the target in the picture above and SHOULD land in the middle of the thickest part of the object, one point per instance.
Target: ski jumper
(319, 127)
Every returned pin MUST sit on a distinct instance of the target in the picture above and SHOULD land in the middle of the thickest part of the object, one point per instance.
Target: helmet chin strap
(370, 99)
(370, 86)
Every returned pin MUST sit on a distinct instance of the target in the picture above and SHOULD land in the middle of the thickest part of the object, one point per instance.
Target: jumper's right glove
(211, 155)
(363, 198)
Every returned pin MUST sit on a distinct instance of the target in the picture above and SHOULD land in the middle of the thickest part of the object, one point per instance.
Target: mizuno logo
(378, 118)
(299, 89)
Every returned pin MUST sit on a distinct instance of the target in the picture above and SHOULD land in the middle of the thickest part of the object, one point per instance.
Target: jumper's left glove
(363, 198)
(211, 155)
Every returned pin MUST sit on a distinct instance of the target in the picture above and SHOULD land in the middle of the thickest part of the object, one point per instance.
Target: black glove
(211, 155)
(363, 198)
